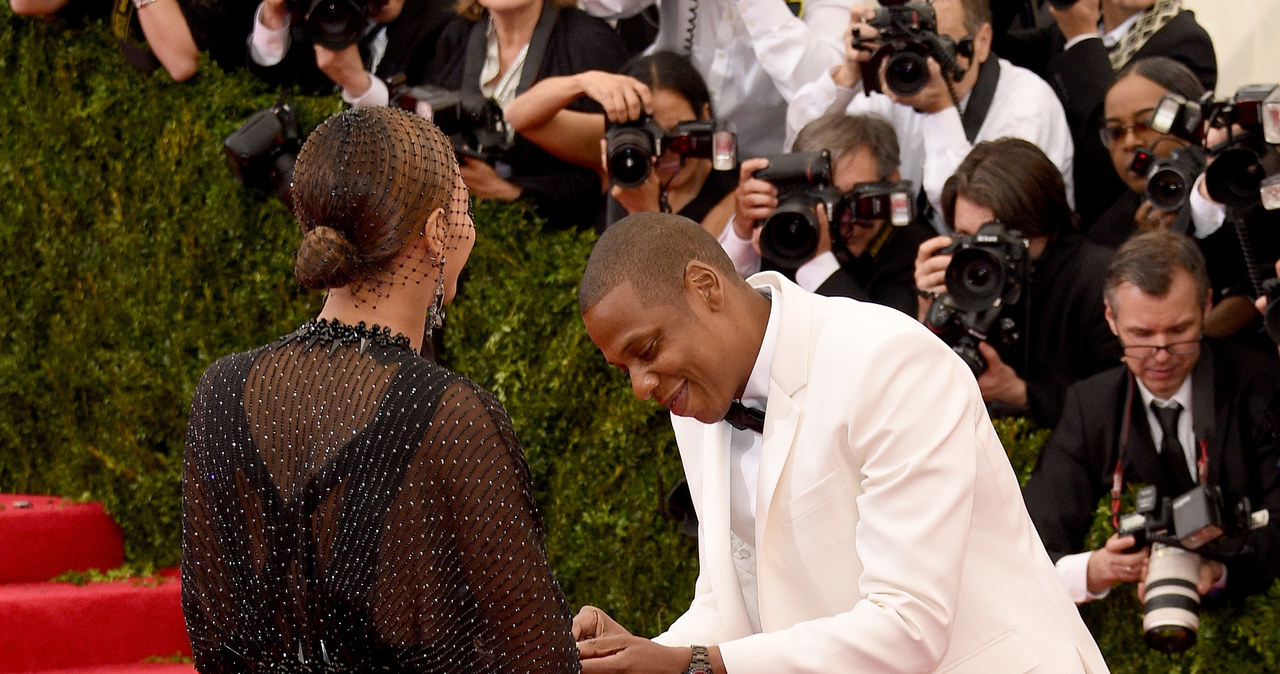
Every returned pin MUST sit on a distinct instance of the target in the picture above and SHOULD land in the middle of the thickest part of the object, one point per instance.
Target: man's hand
(1149, 218)
(593, 623)
(934, 97)
(1000, 382)
(345, 68)
(1210, 573)
(631, 655)
(1111, 564)
(931, 271)
(484, 182)
(1078, 19)
(849, 72)
(754, 199)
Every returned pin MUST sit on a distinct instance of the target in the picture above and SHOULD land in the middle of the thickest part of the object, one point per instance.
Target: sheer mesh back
(350, 506)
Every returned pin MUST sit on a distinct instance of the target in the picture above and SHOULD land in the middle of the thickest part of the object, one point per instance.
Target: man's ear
(982, 44)
(1111, 317)
(704, 284)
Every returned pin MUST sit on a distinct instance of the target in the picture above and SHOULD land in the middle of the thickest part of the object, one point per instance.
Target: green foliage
(133, 260)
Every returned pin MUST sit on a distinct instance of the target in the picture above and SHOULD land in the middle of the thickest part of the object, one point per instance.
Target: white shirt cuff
(745, 259)
(817, 270)
(1206, 215)
(1074, 572)
(373, 97)
(1078, 39)
(267, 46)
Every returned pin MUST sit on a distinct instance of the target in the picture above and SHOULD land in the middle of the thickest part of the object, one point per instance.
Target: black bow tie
(742, 417)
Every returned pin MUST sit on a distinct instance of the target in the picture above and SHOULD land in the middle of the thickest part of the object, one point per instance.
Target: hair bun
(326, 259)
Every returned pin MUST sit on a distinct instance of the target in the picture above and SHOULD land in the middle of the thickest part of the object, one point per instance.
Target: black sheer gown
(349, 506)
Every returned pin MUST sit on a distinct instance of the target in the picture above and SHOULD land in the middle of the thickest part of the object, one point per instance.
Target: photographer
(1157, 298)
(499, 50)
(978, 97)
(1059, 334)
(357, 47)
(1079, 47)
(870, 259)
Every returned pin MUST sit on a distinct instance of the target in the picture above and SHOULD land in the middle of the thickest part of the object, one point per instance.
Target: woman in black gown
(349, 505)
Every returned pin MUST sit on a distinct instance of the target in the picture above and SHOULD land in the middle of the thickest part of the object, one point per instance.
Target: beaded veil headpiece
(366, 184)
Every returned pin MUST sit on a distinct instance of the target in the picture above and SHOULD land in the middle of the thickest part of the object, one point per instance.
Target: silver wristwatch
(701, 662)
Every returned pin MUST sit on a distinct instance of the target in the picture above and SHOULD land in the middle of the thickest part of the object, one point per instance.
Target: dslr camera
(1170, 179)
(789, 236)
(987, 271)
(631, 146)
(262, 152)
(334, 24)
(1203, 522)
(474, 124)
(908, 37)
(1246, 167)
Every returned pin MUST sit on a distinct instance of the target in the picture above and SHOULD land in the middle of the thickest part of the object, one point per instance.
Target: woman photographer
(499, 48)
(349, 505)
(663, 85)
(1060, 333)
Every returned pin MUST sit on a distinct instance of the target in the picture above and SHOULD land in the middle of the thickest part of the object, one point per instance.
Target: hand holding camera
(1076, 17)
(898, 50)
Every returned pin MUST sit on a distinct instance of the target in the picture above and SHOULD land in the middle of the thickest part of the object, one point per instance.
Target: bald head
(650, 251)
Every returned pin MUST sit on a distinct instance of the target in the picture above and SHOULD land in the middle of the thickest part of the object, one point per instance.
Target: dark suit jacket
(884, 273)
(565, 194)
(1082, 76)
(1075, 467)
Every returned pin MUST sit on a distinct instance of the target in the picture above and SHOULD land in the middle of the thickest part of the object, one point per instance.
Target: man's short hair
(1149, 261)
(976, 13)
(650, 251)
(843, 133)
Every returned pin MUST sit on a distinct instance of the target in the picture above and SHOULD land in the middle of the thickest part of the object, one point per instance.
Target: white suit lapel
(714, 536)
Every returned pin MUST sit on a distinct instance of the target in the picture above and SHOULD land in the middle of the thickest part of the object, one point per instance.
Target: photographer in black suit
(1224, 432)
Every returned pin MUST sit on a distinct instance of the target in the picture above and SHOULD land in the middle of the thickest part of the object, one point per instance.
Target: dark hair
(1149, 260)
(365, 182)
(976, 13)
(649, 250)
(474, 11)
(1020, 185)
(842, 133)
(1166, 72)
(669, 70)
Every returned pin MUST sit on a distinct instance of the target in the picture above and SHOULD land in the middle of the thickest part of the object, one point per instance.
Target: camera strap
(478, 46)
(984, 91)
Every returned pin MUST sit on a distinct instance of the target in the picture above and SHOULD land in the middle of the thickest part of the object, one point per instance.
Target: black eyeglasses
(1145, 351)
(1115, 132)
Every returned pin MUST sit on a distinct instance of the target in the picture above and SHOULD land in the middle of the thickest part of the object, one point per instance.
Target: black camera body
(987, 271)
(263, 150)
(1171, 179)
(631, 146)
(789, 236)
(908, 37)
(1203, 522)
(334, 24)
(474, 124)
(1246, 168)
(881, 200)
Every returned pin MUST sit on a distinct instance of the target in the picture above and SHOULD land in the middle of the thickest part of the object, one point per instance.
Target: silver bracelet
(139, 4)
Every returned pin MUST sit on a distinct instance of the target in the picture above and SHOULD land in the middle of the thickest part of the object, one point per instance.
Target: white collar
(757, 390)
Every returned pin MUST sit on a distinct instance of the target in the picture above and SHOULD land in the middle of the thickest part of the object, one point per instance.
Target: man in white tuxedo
(872, 524)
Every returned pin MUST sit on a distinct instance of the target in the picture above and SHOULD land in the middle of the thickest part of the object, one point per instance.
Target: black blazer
(1075, 468)
(884, 274)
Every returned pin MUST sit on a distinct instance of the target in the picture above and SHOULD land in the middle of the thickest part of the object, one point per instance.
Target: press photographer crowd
(1055, 188)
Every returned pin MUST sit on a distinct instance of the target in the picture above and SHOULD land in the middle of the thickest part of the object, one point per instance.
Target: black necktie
(1172, 456)
(742, 417)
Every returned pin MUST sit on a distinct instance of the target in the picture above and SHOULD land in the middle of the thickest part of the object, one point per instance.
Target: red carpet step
(140, 668)
(44, 536)
(46, 626)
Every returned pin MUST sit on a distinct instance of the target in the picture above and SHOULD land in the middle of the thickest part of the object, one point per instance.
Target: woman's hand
(623, 97)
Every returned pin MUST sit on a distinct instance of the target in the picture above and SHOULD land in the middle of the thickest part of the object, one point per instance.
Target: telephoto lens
(1171, 607)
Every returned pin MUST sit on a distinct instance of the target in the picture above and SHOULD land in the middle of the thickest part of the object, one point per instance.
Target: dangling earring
(435, 315)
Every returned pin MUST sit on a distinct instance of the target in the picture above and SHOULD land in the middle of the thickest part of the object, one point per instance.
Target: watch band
(701, 662)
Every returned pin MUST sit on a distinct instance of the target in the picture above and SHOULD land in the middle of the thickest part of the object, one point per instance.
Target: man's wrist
(699, 660)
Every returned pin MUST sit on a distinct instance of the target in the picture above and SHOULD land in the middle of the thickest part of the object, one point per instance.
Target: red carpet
(98, 628)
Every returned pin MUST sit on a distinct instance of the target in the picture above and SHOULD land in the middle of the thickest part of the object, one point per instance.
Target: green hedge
(132, 259)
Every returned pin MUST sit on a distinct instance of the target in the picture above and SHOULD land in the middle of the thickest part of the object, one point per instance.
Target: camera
(789, 236)
(1246, 167)
(987, 271)
(474, 124)
(334, 24)
(1203, 522)
(1170, 179)
(876, 201)
(631, 146)
(908, 37)
(262, 152)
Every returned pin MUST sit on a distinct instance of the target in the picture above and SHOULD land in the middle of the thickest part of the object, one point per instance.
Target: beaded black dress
(349, 506)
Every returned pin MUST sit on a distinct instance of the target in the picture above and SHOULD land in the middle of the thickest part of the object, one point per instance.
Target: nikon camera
(262, 152)
(908, 37)
(334, 24)
(474, 124)
(630, 147)
(1204, 521)
(987, 271)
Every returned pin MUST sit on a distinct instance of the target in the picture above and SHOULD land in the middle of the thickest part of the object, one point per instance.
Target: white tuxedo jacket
(891, 535)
